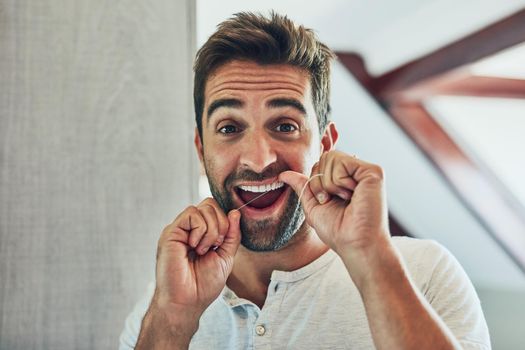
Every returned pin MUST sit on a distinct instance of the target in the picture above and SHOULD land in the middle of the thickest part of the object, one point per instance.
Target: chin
(271, 234)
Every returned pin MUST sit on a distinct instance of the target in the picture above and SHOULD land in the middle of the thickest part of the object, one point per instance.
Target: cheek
(298, 156)
(301, 159)
(310, 159)
(219, 165)
(310, 151)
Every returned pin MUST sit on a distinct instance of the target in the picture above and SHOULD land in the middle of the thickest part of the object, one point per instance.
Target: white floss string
(262, 194)
(259, 196)
(307, 182)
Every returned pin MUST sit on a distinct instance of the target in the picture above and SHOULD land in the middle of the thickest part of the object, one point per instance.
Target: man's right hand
(191, 272)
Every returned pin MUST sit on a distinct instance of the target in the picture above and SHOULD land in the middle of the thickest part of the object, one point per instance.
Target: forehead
(238, 77)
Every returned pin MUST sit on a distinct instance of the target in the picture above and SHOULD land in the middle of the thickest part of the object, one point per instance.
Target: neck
(252, 271)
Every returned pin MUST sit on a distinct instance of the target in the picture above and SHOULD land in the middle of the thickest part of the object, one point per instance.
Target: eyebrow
(273, 103)
(286, 102)
(223, 102)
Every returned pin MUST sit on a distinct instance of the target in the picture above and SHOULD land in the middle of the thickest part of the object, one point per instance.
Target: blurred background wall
(96, 158)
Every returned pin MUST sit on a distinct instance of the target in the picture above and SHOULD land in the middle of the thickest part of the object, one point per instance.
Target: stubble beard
(263, 235)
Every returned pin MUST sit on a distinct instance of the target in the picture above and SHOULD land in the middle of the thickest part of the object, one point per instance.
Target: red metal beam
(503, 34)
(493, 205)
(460, 84)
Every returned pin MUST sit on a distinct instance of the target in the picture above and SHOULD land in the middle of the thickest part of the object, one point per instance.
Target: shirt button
(260, 330)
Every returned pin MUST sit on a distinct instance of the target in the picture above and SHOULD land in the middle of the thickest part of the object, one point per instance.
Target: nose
(257, 152)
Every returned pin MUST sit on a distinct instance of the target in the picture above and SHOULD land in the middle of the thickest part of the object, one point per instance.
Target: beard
(259, 235)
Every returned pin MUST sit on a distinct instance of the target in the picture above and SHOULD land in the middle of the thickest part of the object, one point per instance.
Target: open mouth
(260, 196)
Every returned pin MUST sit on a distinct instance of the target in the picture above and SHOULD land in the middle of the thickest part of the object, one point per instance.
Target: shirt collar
(285, 276)
(305, 271)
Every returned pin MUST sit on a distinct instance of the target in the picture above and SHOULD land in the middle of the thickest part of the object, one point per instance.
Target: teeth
(262, 188)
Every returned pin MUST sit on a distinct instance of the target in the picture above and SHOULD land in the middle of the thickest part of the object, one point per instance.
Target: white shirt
(319, 307)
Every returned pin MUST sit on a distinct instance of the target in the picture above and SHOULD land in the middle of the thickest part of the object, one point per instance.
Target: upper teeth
(263, 188)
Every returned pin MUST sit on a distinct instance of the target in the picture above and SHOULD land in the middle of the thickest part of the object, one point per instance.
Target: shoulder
(446, 286)
(411, 248)
(129, 335)
(422, 253)
(431, 265)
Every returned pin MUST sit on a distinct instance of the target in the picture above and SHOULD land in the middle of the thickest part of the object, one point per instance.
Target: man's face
(259, 121)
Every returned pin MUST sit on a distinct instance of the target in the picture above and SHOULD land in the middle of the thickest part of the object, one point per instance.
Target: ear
(329, 137)
(198, 145)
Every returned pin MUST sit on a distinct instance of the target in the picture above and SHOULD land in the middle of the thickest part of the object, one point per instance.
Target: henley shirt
(319, 307)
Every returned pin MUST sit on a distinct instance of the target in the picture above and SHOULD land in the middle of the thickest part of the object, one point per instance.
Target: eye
(286, 128)
(228, 129)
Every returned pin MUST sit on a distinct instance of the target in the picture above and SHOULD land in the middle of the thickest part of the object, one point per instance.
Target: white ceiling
(505, 64)
(489, 130)
(388, 33)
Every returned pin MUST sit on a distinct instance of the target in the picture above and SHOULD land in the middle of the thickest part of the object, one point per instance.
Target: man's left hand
(346, 205)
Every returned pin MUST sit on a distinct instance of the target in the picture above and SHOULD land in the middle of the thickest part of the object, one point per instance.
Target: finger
(222, 219)
(332, 168)
(344, 170)
(233, 236)
(316, 184)
(173, 233)
(343, 180)
(195, 234)
(212, 233)
(187, 223)
(356, 171)
(297, 182)
(369, 173)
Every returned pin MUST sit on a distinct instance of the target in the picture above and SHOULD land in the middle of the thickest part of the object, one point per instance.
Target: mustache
(271, 171)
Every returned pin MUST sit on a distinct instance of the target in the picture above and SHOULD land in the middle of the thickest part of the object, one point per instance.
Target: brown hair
(265, 40)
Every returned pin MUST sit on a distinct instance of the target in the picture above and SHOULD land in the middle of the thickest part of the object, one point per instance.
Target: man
(258, 267)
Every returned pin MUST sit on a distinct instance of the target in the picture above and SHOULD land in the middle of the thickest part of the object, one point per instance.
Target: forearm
(398, 315)
(167, 328)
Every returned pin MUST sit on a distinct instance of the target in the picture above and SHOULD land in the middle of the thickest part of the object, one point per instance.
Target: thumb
(233, 236)
(298, 182)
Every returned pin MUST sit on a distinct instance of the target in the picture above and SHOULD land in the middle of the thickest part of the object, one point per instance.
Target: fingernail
(322, 197)
(344, 195)
(220, 239)
(204, 250)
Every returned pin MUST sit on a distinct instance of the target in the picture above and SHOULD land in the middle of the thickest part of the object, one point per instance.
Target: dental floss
(304, 187)
(262, 194)
(259, 196)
